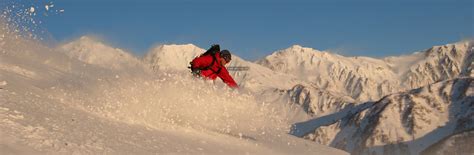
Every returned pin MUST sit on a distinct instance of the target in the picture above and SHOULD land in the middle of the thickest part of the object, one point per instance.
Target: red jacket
(216, 70)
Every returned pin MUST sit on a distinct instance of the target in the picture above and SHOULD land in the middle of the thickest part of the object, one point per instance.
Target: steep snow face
(51, 102)
(365, 78)
(172, 57)
(405, 123)
(91, 51)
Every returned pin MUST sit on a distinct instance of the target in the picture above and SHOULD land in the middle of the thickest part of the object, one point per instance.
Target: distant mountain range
(365, 78)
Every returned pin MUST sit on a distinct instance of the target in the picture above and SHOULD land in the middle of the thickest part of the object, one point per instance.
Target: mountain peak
(92, 51)
(296, 53)
(296, 46)
(89, 40)
(172, 56)
(299, 48)
(171, 46)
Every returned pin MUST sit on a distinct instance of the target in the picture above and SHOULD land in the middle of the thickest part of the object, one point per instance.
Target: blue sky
(253, 29)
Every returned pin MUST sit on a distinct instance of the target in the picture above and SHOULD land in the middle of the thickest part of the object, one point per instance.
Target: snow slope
(92, 51)
(456, 144)
(75, 101)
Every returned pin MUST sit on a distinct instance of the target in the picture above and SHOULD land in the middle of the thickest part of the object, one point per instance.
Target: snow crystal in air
(48, 6)
(3, 83)
(32, 9)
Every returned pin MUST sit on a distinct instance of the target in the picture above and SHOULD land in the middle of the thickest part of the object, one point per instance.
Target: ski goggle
(227, 58)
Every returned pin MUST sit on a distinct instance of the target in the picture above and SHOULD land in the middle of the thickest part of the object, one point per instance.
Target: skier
(211, 65)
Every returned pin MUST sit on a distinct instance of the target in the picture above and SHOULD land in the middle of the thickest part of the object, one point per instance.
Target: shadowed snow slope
(404, 123)
(96, 101)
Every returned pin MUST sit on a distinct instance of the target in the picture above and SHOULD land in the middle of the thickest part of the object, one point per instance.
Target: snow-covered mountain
(339, 85)
(359, 77)
(402, 73)
(92, 51)
(436, 64)
(172, 57)
(365, 78)
(402, 123)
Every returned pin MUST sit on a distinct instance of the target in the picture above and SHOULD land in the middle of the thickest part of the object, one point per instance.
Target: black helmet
(226, 55)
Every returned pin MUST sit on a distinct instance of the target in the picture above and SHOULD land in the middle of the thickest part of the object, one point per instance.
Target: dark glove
(196, 72)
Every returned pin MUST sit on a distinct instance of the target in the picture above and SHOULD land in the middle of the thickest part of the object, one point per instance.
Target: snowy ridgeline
(88, 98)
(364, 78)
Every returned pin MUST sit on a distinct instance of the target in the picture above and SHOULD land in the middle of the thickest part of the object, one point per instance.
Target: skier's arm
(225, 76)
